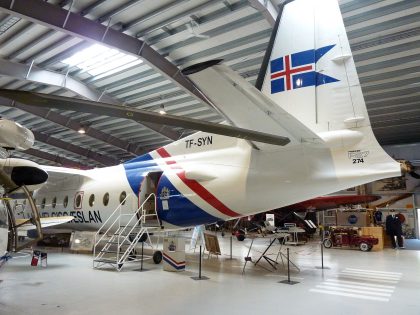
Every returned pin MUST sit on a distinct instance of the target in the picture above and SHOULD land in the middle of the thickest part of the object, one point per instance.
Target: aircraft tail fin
(310, 70)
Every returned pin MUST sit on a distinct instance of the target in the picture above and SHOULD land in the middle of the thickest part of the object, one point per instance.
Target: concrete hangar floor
(383, 282)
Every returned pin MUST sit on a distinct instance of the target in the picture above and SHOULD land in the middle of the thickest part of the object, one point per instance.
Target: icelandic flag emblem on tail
(297, 70)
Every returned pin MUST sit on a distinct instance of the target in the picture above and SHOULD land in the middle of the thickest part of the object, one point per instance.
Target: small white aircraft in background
(308, 100)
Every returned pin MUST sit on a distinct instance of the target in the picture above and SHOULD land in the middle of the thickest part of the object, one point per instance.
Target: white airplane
(309, 99)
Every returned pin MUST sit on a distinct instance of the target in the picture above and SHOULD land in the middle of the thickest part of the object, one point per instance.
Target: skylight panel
(98, 59)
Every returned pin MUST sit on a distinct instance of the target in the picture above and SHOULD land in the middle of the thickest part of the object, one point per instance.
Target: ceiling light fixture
(81, 130)
(162, 110)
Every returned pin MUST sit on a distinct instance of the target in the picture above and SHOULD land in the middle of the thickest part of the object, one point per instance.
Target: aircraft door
(148, 186)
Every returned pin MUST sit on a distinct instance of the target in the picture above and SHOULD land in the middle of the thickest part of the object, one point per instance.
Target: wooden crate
(375, 231)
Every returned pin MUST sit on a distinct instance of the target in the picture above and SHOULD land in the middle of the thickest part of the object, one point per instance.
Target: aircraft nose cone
(28, 175)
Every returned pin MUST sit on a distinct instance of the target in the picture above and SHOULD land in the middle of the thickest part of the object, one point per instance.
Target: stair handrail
(143, 211)
(137, 224)
(139, 219)
(111, 225)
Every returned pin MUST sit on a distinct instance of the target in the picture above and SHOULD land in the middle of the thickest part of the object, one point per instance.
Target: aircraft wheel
(364, 247)
(157, 257)
(143, 238)
(327, 243)
(240, 237)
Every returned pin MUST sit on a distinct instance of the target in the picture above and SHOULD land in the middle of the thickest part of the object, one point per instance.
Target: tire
(240, 237)
(143, 238)
(364, 247)
(327, 243)
(157, 257)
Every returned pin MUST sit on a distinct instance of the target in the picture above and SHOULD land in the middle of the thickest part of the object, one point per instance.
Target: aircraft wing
(244, 105)
(26, 224)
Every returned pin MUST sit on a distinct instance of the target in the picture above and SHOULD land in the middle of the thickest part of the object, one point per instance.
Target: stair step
(151, 225)
(106, 261)
(126, 243)
(109, 251)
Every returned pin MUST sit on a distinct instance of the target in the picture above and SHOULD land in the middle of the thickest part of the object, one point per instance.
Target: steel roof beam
(91, 7)
(55, 158)
(48, 139)
(133, 148)
(267, 9)
(71, 23)
(38, 75)
(173, 19)
(153, 14)
(118, 10)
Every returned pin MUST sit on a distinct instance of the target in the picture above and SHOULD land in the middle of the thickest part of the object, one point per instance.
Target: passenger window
(92, 200)
(106, 199)
(123, 195)
(78, 201)
(54, 202)
(66, 201)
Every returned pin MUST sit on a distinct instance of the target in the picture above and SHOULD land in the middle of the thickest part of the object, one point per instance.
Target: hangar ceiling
(38, 43)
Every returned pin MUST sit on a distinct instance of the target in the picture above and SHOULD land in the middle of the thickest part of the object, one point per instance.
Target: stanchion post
(288, 281)
(288, 266)
(231, 247)
(322, 249)
(142, 245)
(200, 277)
(199, 265)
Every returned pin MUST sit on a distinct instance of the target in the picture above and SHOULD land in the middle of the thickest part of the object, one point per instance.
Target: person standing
(394, 229)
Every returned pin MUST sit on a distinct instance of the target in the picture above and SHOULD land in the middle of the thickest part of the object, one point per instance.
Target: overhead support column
(267, 9)
(53, 16)
(38, 75)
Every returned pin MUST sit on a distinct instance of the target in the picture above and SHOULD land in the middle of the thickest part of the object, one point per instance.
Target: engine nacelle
(14, 136)
(24, 172)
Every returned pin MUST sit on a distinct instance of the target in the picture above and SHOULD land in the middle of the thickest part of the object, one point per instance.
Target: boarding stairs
(124, 231)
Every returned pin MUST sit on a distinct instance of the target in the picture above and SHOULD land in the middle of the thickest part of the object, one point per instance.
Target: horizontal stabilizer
(244, 105)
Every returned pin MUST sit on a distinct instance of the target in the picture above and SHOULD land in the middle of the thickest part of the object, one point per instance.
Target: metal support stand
(142, 258)
(288, 281)
(230, 247)
(247, 257)
(200, 277)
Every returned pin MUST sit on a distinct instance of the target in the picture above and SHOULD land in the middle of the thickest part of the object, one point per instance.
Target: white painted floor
(385, 282)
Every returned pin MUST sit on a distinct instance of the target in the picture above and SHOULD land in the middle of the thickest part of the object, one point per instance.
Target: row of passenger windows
(78, 200)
